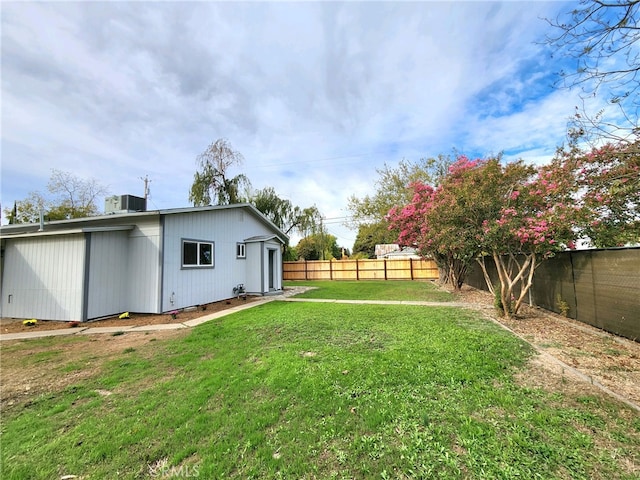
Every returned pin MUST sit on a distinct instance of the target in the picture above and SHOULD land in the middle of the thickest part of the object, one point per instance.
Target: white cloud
(315, 95)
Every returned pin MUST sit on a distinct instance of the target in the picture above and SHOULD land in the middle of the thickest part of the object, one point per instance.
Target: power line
(355, 156)
(336, 220)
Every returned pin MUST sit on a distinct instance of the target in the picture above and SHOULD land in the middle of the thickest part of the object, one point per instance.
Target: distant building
(393, 251)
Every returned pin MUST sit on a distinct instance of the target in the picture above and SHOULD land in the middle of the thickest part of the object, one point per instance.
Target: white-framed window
(241, 250)
(197, 254)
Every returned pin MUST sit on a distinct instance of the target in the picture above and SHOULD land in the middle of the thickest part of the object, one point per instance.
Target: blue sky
(315, 96)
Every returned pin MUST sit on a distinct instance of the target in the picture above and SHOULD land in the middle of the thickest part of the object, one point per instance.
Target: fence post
(411, 267)
(385, 268)
(357, 269)
(573, 281)
(331, 269)
(305, 270)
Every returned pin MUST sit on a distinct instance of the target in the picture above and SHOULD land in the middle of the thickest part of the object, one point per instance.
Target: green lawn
(373, 290)
(307, 390)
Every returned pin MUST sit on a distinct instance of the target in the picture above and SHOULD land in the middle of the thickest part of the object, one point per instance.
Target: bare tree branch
(604, 39)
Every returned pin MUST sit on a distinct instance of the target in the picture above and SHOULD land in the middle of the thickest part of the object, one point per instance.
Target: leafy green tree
(27, 210)
(513, 213)
(370, 235)
(68, 197)
(283, 213)
(393, 188)
(290, 254)
(309, 248)
(213, 181)
(319, 246)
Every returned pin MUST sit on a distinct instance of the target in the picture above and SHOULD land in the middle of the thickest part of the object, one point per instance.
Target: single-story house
(143, 262)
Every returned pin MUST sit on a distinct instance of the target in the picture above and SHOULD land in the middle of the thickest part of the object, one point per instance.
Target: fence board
(365, 269)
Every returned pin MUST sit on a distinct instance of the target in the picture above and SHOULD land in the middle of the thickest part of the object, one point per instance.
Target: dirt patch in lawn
(599, 356)
(14, 325)
(30, 368)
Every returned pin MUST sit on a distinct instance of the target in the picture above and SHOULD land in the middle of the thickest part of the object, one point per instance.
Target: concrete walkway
(285, 297)
(383, 302)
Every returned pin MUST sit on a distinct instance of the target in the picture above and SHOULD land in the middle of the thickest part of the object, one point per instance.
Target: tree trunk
(512, 273)
(457, 272)
(443, 268)
(451, 270)
(485, 273)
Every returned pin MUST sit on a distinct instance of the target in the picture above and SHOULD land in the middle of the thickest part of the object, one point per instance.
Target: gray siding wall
(88, 275)
(108, 274)
(144, 259)
(194, 286)
(273, 272)
(253, 268)
(264, 267)
(43, 277)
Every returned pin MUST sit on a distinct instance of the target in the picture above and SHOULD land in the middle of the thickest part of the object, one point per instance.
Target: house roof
(403, 253)
(385, 248)
(69, 231)
(260, 238)
(78, 225)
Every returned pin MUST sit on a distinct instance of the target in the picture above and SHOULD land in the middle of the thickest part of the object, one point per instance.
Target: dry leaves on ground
(606, 358)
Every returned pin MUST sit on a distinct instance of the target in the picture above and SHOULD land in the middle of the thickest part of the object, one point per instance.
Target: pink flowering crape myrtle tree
(536, 219)
(608, 179)
(513, 213)
(431, 237)
(446, 222)
(437, 223)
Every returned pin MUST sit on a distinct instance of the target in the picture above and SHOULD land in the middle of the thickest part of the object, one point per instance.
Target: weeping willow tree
(212, 183)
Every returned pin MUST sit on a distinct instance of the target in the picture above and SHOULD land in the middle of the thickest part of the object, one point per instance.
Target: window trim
(199, 243)
(241, 250)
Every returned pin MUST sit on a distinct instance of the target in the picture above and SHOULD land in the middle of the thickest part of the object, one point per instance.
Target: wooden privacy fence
(364, 269)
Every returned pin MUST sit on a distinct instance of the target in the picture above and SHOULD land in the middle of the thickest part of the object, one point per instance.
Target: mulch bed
(13, 325)
(608, 359)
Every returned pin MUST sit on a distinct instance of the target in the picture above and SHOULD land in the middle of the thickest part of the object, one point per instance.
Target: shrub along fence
(364, 269)
(597, 287)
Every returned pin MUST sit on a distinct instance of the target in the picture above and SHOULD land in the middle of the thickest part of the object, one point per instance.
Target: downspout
(84, 306)
(262, 268)
(2, 249)
(161, 265)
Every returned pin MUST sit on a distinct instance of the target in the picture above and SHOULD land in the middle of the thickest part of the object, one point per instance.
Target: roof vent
(124, 204)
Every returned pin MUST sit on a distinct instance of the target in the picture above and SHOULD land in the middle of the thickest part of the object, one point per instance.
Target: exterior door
(272, 269)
